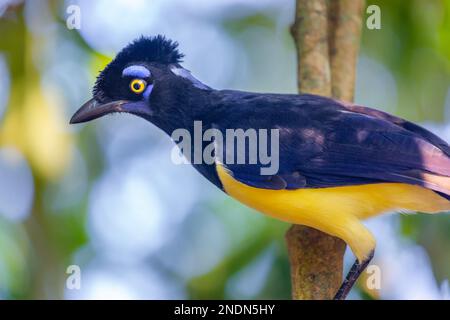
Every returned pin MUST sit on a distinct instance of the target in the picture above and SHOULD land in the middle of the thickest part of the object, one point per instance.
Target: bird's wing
(407, 125)
(322, 146)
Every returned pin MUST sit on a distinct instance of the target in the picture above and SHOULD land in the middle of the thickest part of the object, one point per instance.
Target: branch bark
(326, 34)
(311, 39)
(345, 21)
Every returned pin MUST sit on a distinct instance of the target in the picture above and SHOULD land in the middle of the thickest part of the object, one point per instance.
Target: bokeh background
(106, 197)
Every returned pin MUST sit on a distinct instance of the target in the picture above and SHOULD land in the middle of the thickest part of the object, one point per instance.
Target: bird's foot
(352, 276)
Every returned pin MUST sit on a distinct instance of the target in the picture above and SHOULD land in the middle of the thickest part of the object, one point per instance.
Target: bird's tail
(446, 196)
(440, 184)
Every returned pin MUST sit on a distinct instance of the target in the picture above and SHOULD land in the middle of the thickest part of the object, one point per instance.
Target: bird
(338, 163)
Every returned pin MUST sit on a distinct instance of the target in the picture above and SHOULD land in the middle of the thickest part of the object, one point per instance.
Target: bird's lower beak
(93, 109)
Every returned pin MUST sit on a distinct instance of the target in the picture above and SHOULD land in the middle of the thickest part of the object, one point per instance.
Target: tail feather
(446, 196)
(439, 184)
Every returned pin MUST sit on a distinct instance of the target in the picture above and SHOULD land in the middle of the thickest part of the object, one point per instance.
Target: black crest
(150, 49)
(157, 49)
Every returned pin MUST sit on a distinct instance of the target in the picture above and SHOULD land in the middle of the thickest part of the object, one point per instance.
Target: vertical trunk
(326, 34)
(345, 20)
(310, 32)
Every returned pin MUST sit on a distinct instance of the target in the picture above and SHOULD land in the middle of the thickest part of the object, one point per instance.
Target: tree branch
(345, 21)
(310, 35)
(323, 31)
(316, 263)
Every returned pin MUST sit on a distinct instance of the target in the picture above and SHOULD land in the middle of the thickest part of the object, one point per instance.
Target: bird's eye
(138, 85)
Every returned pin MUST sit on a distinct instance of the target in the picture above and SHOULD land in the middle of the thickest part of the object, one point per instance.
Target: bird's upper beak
(93, 109)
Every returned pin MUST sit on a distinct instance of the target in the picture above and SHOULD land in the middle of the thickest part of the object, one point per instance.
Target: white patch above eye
(181, 72)
(137, 71)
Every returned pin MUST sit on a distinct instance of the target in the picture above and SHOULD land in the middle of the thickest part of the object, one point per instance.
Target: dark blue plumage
(323, 142)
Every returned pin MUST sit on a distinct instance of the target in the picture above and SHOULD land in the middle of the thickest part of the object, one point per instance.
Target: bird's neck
(183, 108)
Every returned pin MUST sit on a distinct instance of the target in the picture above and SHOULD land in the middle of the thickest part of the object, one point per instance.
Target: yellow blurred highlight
(98, 62)
(38, 129)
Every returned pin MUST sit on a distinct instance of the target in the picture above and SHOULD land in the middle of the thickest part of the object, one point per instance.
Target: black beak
(92, 110)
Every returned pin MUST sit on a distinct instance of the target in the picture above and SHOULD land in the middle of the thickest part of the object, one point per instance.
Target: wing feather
(326, 143)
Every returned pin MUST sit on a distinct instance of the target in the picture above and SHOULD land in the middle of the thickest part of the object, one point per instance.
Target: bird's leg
(352, 276)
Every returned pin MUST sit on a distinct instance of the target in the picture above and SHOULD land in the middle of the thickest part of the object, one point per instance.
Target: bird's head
(144, 79)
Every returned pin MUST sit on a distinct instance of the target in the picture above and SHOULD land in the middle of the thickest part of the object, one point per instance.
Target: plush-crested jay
(339, 163)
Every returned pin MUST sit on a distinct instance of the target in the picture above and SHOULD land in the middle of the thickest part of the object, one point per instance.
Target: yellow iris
(138, 85)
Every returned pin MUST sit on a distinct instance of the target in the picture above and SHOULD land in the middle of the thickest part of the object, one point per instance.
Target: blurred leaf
(38, 130)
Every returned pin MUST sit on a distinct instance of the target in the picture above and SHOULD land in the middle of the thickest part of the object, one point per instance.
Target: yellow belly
(337, 210)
